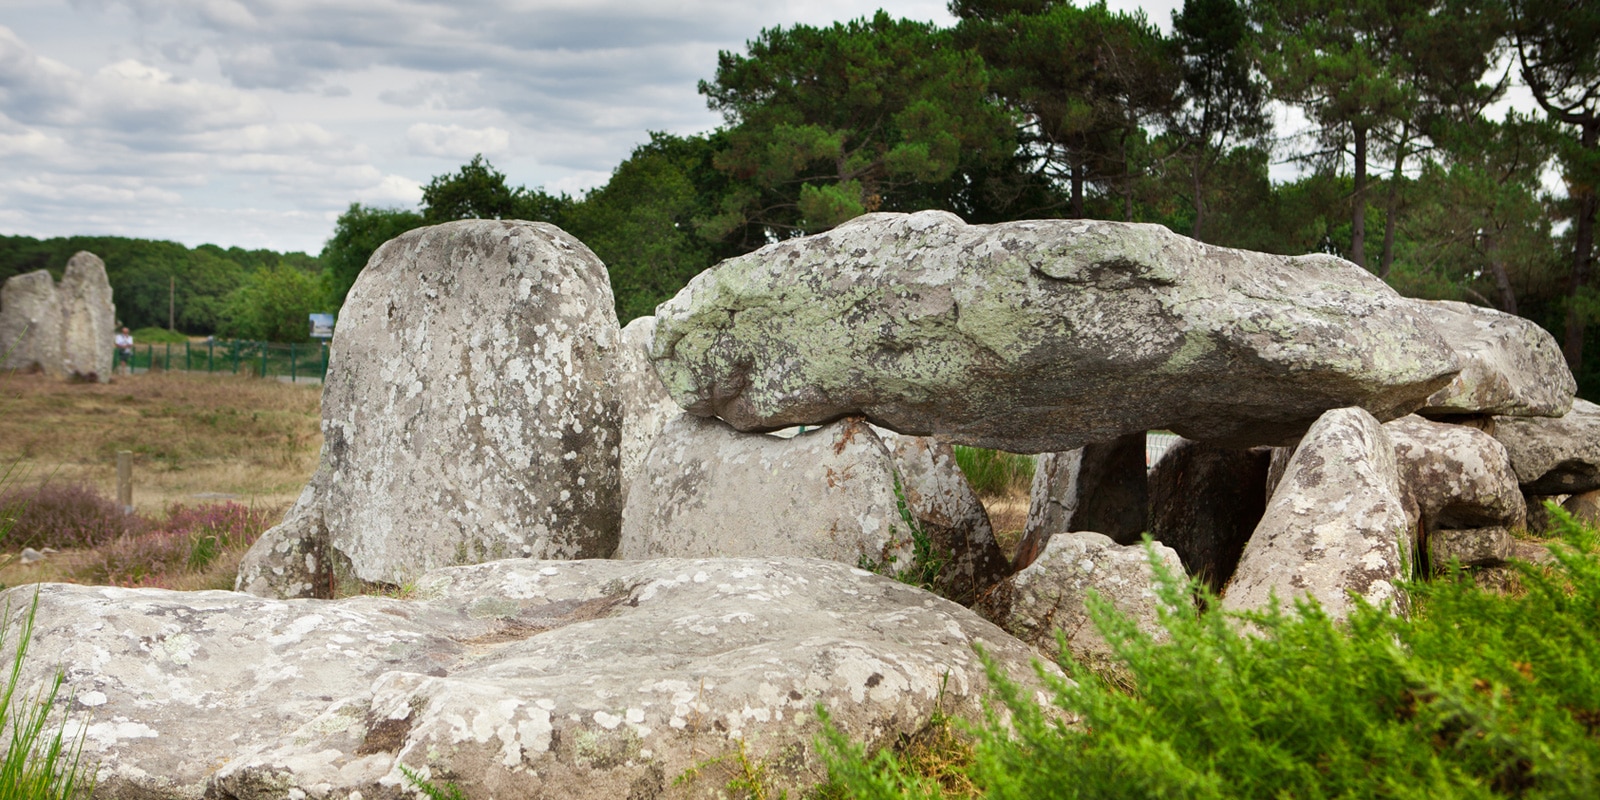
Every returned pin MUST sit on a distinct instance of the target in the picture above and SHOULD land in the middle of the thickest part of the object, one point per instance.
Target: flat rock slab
(1509, 365)
(1032, 337)
(1334, 526)
(1554, 456)
(513, 679)
(467, 414)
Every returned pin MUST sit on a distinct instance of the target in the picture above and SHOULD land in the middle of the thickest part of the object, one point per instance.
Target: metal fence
(293, 362)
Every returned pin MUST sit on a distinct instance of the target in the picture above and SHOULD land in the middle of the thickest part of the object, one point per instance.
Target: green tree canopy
(359, 231)
(272, 305)
(829, 123)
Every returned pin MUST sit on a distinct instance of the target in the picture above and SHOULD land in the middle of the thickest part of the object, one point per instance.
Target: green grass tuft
(993, 473)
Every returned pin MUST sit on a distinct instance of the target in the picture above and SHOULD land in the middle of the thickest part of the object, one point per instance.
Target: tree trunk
(1502, 281)
(1127, 182)
(1387, 261)
(1077, 190)
(1199, 204)
(1572, 348)
(1358, 219)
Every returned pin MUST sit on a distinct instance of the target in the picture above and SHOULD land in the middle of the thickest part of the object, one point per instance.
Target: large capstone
(467, 416)
(88, 319)
(1041, 336)
(518, 679)
(1509, 365)
(1335, 525)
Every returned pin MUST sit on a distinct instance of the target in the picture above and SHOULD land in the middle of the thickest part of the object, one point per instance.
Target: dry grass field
(198, 441)
(193, 436)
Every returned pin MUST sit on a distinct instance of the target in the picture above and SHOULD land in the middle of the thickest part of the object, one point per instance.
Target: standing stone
(940, 498)
(30, 323)
(467, 414)
(1041, 336)
(1048, 596)
(1335, 525)
(645, 405)
(1453, 476)
(709, 490)
(1554, 456)
(1204, 503)
(1099, 487)
(1509, 365)
(88, 319)
(1585, 507)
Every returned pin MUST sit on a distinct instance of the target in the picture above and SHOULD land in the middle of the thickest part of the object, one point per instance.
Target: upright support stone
(1205, 501)
(1336, 525)
(1099, 487)
(30, 323)
(88, 319)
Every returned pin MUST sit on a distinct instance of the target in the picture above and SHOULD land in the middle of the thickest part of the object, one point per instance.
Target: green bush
(1476, 695)
(158, 336)
(993, 473)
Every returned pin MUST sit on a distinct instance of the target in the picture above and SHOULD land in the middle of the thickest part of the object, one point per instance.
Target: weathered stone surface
(30, 323)
(88, 319)
(516, 679)
(1032, 337)
(1204, 503)
(941, 500)
(1333, 527)
(708, 490)
(1048, 595)
(1470, 547)
(1453, 476)
(1509, 365)
(1099, 487)
(1584, 507)
(1554, 456)
(645, 405)
(468, 413)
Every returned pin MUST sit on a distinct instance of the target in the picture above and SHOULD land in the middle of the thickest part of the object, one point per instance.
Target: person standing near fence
(124, 341)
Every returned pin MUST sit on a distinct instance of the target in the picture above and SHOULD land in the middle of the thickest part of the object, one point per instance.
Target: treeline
(1036, 108)
(206, 290)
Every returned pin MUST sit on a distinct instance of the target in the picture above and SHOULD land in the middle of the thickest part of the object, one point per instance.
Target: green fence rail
(262, 359)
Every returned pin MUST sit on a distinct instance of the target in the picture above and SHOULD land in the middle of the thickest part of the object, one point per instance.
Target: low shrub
(1476, 695)
(64, 516)
(994, 473)
(188, 541)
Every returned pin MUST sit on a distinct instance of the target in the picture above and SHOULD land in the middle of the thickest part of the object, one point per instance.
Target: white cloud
(454, 141)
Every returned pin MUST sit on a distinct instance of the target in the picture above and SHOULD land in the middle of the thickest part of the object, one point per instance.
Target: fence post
(167, 367)
(188, 366)
(291, 363)
(233, 346)
(125, 480)
(263, 359)
(324, 349)
(211, 345)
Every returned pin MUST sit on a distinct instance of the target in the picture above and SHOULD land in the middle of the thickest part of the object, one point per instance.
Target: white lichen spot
(607, 721)
(92, 699)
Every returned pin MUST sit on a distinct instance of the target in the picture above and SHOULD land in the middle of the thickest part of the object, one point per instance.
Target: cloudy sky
(254, 123)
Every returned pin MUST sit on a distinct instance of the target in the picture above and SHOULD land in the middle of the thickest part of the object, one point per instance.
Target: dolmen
(579, 560)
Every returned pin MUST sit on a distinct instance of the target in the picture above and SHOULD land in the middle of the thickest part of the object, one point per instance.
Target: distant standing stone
(1041, 336)
(30, 323)
(467, 416)
(88, 319)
